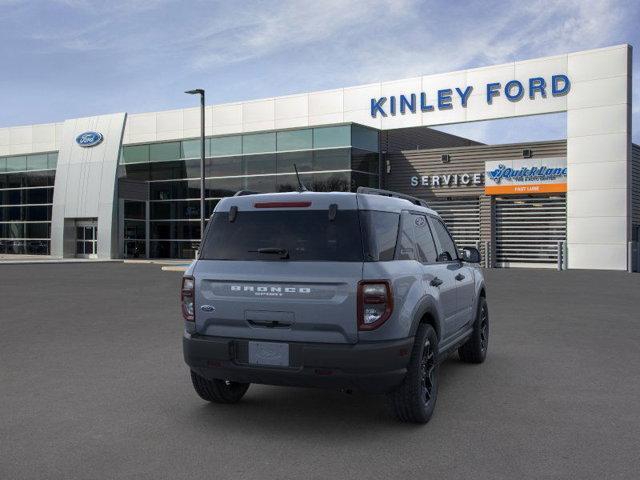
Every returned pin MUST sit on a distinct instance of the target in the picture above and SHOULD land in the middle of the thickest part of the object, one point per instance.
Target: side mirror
(471, 255)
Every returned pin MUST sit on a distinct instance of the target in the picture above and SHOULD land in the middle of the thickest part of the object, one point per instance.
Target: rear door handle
(459, 277)
(436, 282)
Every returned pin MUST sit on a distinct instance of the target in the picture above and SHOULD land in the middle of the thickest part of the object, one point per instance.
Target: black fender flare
(427, 305)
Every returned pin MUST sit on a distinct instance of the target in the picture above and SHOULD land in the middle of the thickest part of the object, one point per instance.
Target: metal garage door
(462, 217)
(528, 230)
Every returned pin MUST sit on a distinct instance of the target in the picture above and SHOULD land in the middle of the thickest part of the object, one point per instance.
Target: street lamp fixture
(200, 91)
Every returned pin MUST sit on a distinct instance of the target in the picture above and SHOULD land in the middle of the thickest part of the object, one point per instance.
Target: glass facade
(26, 197)
(334, 158)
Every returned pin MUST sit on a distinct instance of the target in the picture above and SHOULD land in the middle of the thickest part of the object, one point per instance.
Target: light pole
(200, 91)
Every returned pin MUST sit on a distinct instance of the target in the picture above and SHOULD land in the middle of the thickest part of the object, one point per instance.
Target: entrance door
(87, 239)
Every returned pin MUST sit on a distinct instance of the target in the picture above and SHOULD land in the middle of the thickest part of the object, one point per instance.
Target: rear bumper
(374, 367)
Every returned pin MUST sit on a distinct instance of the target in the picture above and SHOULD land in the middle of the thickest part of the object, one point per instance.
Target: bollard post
(560, 252)
(487, 263)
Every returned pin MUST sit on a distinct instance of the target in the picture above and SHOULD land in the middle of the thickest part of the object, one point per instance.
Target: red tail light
(187, 296)
(282, 204)
(375, 303)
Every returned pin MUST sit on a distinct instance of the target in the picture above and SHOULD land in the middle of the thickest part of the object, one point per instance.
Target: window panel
(339, 159)
(224, 166)
(257, 164)
(138, 171)
(160, 152)
(329, 182)
(37, 162)
(135, 154)
(364, 161)
(175, 210)
(134, 210)
(134, 230)
(52, 160)
(259, 143)
(426, 248)
(223, 146)
(175, 230)
(265, 184)
(37, 230)
(3, 164)
(191, 148)
(326, 137)
(134, 249)
(182, 249)
(445, 244)
(295, 140)
(364, 138)
(302, 160)
(16, 164)
(37, 247)
(223, 187)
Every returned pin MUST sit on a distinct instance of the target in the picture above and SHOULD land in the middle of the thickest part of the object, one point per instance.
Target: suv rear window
(305, 235)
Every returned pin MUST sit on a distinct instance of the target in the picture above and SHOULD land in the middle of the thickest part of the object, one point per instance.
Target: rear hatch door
(281, 271)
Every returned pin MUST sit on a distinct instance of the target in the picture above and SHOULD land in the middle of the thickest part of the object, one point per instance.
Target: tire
(414, 400)
(475, 349)
(218, 391)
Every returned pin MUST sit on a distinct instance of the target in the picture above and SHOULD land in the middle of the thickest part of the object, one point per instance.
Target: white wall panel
(599, 63)
(596, 203)
(296, 106)
(597, 176)
(603, 256)
(325, 103)
(597, 230)
(598, 93)
(597, 148)
(359, 98)
(597, 120)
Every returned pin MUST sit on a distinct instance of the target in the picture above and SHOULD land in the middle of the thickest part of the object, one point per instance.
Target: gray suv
(354, 291)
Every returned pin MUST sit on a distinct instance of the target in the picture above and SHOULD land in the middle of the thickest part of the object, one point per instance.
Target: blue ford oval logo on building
(89, 139)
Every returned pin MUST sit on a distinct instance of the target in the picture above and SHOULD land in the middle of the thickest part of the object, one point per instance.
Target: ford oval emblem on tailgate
(207, 308)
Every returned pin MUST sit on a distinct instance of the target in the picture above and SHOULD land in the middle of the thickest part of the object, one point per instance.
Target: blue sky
(72, 58)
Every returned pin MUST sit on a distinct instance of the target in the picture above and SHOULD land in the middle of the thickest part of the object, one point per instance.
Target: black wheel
(415, 399)
(218, 391)
(475, 349)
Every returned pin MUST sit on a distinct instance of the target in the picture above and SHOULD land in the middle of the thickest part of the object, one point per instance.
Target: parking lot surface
(93, 385)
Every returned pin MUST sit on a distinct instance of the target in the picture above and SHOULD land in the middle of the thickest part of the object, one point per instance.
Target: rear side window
(446, 246)
(379, 232)
(305, 235)
(424, 240)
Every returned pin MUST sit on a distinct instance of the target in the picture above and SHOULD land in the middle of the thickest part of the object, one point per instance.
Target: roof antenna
(301, 187)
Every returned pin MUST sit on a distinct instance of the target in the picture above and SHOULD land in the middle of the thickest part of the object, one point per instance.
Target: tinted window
(306, 235)
(446, 246)
(380, 232)
(426, 248)
(405, 250)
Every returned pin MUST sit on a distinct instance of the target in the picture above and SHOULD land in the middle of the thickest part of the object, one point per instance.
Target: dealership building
(127, 185)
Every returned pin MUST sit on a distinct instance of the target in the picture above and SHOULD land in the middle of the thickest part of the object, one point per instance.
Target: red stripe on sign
(282, 204)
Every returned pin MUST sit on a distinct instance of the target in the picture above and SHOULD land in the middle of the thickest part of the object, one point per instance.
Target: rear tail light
(187, 298)
(375, 303)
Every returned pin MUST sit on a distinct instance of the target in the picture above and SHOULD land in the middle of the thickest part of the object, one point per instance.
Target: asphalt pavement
(93, 386)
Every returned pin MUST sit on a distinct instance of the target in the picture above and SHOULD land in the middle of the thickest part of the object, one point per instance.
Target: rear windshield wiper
(284, 254)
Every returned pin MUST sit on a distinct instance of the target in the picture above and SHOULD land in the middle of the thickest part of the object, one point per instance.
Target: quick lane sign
(445, 99)
(526, 175)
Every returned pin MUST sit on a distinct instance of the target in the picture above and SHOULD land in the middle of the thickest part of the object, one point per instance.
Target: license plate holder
(273, 354)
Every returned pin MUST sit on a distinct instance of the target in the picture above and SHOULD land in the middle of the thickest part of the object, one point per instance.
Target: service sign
(525, 176)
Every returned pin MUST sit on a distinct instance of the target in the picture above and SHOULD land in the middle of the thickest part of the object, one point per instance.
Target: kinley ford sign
(504, 177)
(445, 99)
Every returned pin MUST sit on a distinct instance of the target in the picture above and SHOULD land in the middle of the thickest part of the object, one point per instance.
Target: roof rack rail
(242, 193)
(389, 193)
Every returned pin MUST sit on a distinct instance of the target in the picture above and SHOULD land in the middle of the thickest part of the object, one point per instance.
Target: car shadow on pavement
(310, 410)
